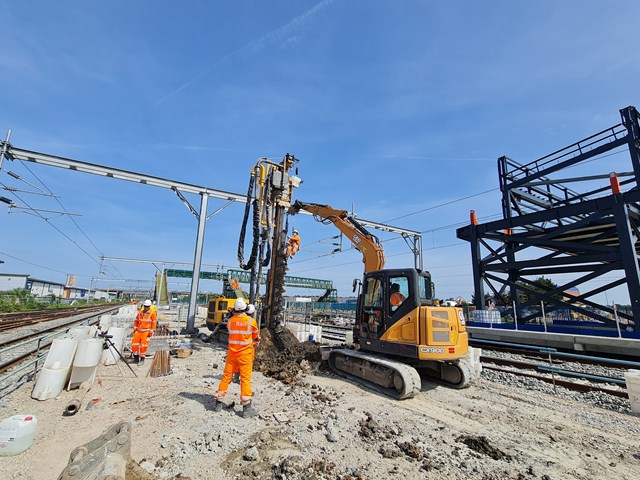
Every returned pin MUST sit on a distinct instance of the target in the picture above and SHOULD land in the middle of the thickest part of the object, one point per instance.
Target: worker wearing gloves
(293, 244)
(143, 327)
(243, 336)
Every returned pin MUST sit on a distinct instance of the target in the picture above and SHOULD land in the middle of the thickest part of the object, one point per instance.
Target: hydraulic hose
(256, 231)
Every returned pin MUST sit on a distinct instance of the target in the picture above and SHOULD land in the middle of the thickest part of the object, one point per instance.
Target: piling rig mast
(269, 195)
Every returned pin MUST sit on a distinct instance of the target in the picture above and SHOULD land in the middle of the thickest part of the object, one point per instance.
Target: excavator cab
(396, 317)
(387, 296)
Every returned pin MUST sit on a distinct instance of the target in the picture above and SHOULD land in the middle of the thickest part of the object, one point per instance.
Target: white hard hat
(147, 303)
(251, 309)
(240, 305)
(295, 231)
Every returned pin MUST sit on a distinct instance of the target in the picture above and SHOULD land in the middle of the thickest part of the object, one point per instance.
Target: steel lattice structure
(549, 228)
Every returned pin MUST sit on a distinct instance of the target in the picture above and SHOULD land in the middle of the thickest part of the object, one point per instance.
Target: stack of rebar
(161, 364)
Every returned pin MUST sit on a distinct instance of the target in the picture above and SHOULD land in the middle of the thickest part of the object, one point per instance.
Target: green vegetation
(20, 300)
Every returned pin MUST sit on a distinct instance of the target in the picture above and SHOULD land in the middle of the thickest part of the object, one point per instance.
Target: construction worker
(396, 298)
(251, 311)
(243, 336)
(143, 327)
(293, 244)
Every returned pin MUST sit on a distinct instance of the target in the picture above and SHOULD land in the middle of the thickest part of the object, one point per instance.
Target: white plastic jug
(16, 434)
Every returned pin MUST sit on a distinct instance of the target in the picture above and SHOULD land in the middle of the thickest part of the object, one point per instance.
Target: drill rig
(397, 342)
(270, 192)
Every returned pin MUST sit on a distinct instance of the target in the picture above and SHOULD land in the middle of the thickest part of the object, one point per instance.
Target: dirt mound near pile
(283, 357)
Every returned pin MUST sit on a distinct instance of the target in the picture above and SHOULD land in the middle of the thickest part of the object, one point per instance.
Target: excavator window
(398, 292)
(372, 306)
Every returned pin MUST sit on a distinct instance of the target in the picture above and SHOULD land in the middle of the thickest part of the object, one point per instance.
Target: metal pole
(515, 315)
(4, 148)
(544, 320)
(197, 259)
(615, 313)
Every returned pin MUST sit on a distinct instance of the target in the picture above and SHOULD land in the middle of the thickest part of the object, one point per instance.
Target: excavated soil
(282, 357)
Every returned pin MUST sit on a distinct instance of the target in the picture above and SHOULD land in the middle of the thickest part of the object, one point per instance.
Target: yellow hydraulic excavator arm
(362, 240)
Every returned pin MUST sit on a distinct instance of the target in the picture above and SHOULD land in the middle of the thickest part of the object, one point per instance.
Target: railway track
(19, 352)
(11, 321)
(572, 371)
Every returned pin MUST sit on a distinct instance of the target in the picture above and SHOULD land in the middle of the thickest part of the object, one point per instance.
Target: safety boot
(140, 360)
(248, 411)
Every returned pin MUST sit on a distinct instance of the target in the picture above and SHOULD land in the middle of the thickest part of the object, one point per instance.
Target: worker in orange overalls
(251, 311)
(293, 244)
(143, 327)
(243, 336)
(396, 298)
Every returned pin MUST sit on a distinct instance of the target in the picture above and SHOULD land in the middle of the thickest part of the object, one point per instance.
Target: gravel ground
(319, 426)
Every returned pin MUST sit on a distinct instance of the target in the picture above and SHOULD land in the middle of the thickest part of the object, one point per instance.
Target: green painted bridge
(244, 276)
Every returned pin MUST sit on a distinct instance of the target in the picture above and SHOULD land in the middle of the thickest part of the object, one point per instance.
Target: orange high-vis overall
(396, 299)
(293, 245)
(243, 330)
(143, 327)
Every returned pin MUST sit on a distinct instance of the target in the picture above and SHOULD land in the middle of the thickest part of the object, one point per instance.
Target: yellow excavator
(399, 332)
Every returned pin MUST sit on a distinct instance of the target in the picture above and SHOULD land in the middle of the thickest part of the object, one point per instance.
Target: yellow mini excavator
(399, 331)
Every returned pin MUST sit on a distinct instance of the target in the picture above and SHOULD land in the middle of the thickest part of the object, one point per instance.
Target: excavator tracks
(391, 378)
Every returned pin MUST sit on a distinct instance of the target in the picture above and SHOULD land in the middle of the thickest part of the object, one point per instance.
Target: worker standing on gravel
(243, 335)
(293, 244)
(143, 327)
(251, 311)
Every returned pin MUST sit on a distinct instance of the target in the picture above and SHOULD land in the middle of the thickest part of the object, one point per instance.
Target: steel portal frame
(548, 228)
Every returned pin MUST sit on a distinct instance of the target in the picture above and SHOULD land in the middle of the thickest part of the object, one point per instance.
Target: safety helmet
(295, 231)
(240, 305)
(251, 309)
(147, 303)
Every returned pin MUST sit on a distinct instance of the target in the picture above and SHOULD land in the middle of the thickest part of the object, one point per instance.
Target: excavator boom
(360, 237)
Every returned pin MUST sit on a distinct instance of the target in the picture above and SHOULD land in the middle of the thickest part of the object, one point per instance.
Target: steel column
(629, 256)
(197, 259)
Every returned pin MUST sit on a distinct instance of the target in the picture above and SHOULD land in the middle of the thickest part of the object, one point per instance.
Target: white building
(11, 281)
(44, 288)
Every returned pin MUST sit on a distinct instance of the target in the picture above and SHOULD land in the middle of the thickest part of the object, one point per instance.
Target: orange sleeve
(255, 331)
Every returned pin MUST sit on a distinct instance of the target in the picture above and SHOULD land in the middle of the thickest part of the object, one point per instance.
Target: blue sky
(392, 108)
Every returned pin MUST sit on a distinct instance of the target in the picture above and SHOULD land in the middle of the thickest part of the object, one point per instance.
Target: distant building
(11, 281)
(44, 288)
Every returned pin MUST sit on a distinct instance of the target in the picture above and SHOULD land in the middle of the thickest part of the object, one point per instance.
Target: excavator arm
(362, 240)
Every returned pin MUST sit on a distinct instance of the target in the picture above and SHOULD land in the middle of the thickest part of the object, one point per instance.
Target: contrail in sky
(255, 46)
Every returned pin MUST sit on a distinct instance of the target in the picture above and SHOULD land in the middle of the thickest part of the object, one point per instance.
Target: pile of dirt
(283, 357)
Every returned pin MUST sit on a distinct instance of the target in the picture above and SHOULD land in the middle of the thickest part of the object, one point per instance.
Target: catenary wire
(72, 219)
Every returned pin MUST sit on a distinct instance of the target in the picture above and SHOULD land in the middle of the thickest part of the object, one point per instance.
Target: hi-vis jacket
(243, 330)
(145, 321)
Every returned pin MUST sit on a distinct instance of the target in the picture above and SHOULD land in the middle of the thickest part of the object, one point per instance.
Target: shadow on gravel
(205, 399)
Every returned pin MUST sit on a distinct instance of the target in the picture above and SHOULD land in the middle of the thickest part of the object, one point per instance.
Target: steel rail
(581, 387)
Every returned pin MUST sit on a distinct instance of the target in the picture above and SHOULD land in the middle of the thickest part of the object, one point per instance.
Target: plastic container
(110, 356)
(16, 434)
(105, 322)
(57, 368)
(632, 377)
(85, 363)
